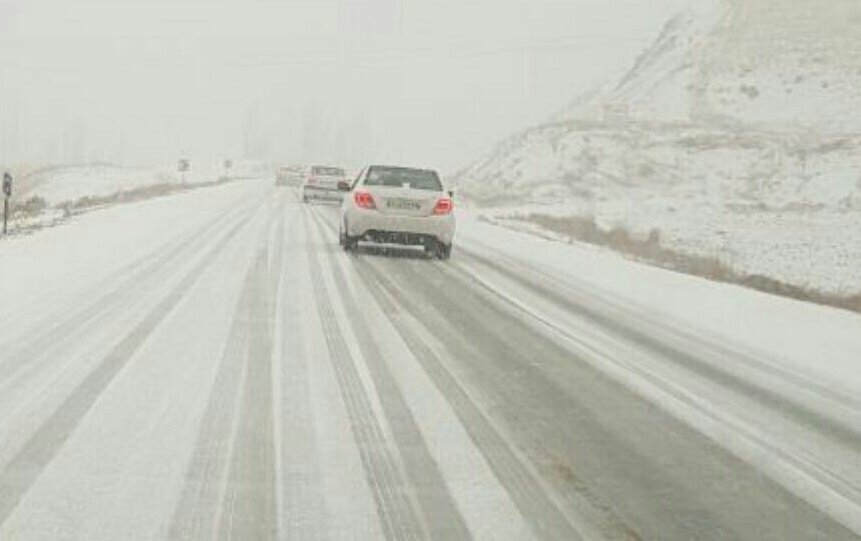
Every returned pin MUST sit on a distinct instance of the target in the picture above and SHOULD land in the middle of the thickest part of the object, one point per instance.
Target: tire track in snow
(248, 508)
(437, 505)
(823, 485)
(759, 382)
(528, 495)
(248, 511)
(229, 491)
(613, 445)
(614, 448)
(391, 492)
(19, 474)
(303, 513)
(196, 514)
(41, 383)
(130, 281)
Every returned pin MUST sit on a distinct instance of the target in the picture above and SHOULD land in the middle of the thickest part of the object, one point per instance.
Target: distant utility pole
(183, 166)
(7, 193)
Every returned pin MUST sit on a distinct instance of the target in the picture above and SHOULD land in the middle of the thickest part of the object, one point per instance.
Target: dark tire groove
(529, 497)
(19, 474)
(845, 430)
(440, 511)
(231, 476)
(391, 492)
(620, 447)
(135, 277)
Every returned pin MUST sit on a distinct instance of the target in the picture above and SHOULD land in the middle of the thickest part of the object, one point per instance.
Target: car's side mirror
(343, 186)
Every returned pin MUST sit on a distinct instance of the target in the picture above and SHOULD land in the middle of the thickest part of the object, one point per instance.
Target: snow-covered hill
(779, 64)
(736, 136)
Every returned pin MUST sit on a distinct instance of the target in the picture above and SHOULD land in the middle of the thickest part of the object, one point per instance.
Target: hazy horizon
(344, 81)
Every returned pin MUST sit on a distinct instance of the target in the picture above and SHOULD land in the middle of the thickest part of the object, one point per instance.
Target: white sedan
(322, 183)
(398, 205)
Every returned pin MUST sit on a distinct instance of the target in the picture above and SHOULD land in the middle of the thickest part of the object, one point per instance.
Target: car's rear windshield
(327, 171)
(419, 179)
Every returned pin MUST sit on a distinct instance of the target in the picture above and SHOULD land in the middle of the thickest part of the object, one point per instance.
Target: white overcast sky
(431, 82)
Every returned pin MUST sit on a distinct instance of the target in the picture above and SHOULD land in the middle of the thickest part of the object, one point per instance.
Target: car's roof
(403, 167)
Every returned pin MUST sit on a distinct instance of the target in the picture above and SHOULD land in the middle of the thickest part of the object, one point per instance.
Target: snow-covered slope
(778, 205)
(68, 183)
(663, 81)
(769, 63)
(787, 63)
(47, 195)
(736, 136)
(62, 184)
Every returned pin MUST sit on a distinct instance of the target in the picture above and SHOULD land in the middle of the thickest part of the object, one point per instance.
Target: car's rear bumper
(375, 227)
(320, 192)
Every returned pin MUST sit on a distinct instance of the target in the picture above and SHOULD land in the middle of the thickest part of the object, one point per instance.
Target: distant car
(289, 175)
(398, 205)
(322, 183)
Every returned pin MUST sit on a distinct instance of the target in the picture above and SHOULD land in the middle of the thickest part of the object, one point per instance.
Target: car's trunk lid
(403, 201)
(324, 181)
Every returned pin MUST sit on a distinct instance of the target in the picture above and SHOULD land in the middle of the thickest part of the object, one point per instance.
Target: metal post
(7, 193)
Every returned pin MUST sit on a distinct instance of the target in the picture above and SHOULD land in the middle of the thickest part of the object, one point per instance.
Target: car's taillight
(443, 206)
(364, 200)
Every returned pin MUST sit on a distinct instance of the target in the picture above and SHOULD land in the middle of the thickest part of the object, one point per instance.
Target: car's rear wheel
(438, 249)
(347, 242)
(444, 251)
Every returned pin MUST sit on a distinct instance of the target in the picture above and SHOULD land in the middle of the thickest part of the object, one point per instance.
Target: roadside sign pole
(7, 193)
(183, 166)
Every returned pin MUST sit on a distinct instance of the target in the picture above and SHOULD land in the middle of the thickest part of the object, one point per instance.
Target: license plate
(403, 204)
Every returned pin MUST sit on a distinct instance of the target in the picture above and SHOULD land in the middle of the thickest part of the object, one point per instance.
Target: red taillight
(443, 206)
(364, 200)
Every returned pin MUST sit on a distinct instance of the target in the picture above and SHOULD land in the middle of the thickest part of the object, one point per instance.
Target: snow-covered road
(211, 365)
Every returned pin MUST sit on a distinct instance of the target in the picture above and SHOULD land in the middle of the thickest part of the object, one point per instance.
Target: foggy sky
(409, 81)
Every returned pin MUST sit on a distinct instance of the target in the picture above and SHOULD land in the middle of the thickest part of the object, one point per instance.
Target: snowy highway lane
(211, 365)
